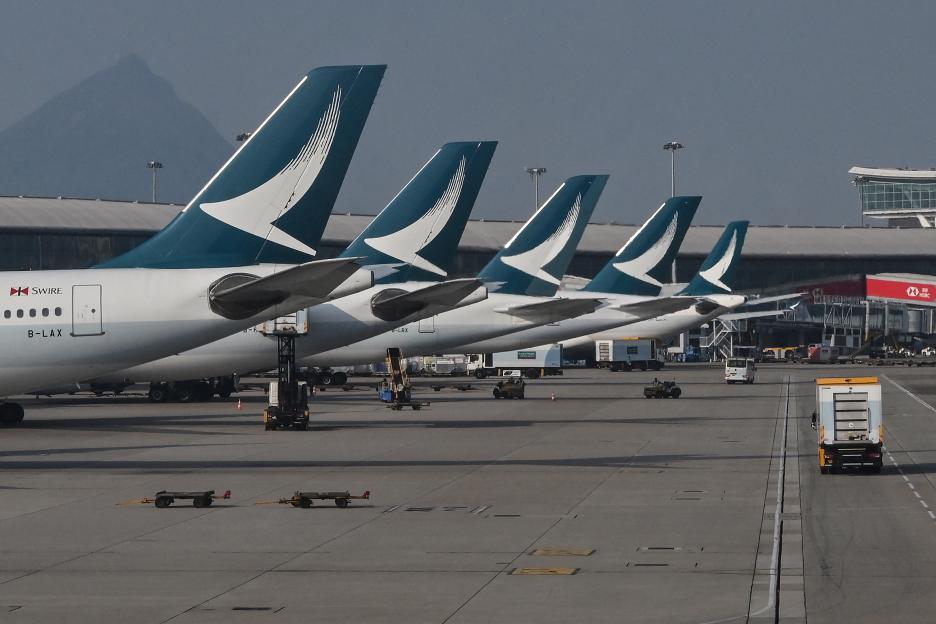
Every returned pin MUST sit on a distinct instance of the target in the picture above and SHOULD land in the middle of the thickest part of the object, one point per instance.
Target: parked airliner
(207, 274)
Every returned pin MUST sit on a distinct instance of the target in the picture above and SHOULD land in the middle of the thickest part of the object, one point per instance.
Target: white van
(739, 369)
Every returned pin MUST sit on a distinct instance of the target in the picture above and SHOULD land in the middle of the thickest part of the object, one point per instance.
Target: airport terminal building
(65, 233)
(903, 197)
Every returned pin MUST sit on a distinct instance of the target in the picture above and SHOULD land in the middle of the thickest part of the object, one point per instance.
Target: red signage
(902, 290)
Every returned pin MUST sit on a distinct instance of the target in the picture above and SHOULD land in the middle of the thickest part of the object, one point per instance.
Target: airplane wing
(740, 316)
(445, 294)
(306, 284)
(753, 301)
(551, 310)
(659, 306)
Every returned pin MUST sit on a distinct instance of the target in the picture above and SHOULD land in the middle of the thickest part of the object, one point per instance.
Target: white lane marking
(930, 408)
(911, 395)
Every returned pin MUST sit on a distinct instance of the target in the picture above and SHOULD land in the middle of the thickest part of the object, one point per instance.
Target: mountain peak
(94, 139)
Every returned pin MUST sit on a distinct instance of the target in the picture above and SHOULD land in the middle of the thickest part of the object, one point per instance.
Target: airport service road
(678, 500)
(870, 540)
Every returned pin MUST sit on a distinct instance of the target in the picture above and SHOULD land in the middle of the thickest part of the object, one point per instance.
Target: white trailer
(533, 362)
(628, 353)
(850, 423)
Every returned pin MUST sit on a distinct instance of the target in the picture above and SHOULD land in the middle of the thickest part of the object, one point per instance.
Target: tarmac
(583, 502)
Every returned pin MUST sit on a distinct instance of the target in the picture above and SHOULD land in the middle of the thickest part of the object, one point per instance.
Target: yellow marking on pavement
(563, 552)
(543, 571)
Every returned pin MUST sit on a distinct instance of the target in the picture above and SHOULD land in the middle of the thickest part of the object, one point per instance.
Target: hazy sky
(773, 100)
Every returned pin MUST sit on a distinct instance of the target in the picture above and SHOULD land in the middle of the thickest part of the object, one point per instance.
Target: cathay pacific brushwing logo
(532, 262)
(405, 244)
(256, 210)
(714, 274)
(641, 266)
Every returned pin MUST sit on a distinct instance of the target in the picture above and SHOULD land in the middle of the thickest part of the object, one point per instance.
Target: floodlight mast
(672, 147)
(535, 173)
(154, 165)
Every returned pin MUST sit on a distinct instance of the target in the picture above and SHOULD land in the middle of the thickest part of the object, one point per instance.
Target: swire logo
(19, 291)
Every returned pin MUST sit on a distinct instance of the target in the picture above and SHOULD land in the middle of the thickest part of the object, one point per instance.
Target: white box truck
(533, 362)
(849, 422)
(628, 353)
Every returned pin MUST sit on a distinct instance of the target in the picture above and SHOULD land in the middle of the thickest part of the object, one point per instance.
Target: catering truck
(849, 422)
(628, 353)
(533, 362)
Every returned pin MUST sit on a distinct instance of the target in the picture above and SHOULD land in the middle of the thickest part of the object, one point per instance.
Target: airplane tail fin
(716, 276)
(535, 259)
(270, 201)
(417, 233)
(644, 262)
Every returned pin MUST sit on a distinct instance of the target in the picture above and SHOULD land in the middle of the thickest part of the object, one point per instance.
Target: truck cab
(739, 370)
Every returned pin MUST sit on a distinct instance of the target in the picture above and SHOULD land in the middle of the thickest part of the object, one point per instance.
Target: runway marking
(891, 457)
(911, 395)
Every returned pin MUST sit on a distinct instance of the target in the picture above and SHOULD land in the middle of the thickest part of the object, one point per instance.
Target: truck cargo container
(628, 353)
(533, 362)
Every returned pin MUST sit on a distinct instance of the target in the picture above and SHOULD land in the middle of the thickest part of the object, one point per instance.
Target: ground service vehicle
(534, 362)
(627, 354)
(822, 354)
(739, 370)
(662, 390)
(512, 387)
(396, 390)
(849, 422)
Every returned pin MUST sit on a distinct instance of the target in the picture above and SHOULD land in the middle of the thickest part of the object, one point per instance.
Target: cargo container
(533, 362)
(628, 353)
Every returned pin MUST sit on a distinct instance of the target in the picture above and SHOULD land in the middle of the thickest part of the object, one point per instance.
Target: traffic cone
(552, 397)
(239, 406)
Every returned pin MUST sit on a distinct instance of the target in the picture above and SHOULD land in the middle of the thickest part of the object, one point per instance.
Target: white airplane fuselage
(60, 326)
(436, 334)
(331, 324)
(661, 327)
(599, 322)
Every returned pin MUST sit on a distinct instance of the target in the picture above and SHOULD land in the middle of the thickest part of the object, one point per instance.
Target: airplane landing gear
(11, 414)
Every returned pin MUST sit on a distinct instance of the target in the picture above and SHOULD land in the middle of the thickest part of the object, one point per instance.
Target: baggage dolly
(165, 498)
(304, 499)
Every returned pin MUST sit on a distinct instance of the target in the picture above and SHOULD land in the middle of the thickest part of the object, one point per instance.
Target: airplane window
(45, 311)
(58, 311)
(6, 314)
(19, 314)
(32, 312)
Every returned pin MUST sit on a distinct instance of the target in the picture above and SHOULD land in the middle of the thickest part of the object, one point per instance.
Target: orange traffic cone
(239, 406)
(552, 397)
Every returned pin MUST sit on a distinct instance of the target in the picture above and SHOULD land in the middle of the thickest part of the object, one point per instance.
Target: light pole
(535, 173)
(154, 165)
(672, 146)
